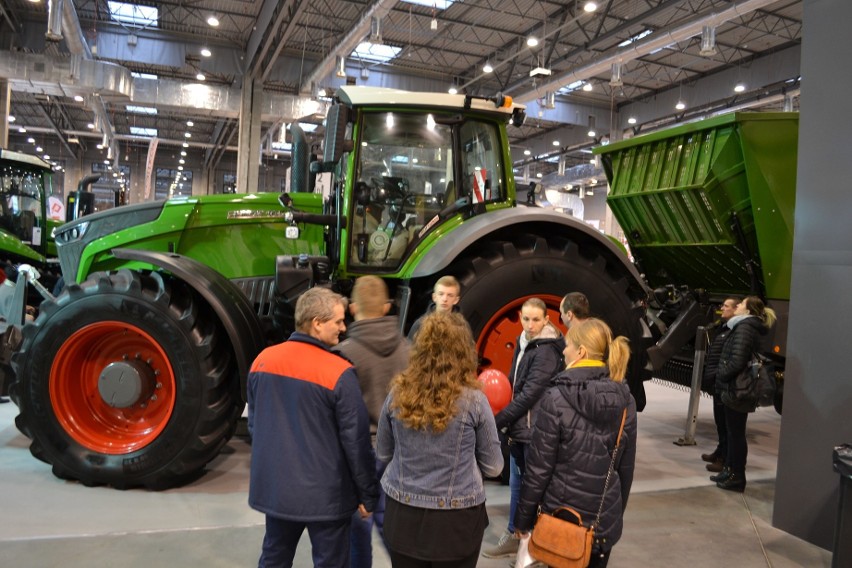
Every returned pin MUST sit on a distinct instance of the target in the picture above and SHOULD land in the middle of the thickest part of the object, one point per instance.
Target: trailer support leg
(688, 438)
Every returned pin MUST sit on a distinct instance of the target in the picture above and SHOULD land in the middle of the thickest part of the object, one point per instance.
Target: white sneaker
(506, 546)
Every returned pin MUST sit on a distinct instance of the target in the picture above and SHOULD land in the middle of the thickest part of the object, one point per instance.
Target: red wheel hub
(496, 341)
(112, 387)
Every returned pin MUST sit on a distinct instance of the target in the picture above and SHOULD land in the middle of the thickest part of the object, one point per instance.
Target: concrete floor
(675, 517)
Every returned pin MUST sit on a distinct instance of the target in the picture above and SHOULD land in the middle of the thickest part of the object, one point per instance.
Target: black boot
(734, 482)
(725, 474)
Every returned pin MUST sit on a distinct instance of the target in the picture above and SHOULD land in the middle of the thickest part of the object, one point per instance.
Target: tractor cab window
(21, 192)
(404, 177)
(481, 162)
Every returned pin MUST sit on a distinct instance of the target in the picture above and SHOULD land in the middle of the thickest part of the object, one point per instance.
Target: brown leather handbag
(564, 544)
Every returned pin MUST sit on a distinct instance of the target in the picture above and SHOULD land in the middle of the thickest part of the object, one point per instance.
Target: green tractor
(707, 210)
(135, 375)
(25, 228)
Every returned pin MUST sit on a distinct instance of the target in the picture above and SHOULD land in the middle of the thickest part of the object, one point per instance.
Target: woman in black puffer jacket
(574, 436)
(751, 321)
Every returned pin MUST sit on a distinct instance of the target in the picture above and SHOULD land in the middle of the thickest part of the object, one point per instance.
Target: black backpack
(755, 386)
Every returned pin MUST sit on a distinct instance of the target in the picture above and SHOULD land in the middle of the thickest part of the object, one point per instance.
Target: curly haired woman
(437, 431)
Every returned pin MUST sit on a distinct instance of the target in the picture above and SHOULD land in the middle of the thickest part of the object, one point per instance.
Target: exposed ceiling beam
(657, 40)
(352, 39)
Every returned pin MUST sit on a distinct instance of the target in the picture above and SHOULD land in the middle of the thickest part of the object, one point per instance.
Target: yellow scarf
(586, 363)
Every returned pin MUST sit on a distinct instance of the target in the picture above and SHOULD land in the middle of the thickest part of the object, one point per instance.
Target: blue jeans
(361, 540)
(328, 543)
(516, 477)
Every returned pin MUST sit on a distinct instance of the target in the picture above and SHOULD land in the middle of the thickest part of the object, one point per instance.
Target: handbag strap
(611, 466)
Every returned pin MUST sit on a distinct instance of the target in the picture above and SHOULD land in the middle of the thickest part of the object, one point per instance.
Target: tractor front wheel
(126, 380)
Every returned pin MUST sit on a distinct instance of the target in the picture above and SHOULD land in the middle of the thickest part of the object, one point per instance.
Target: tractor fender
(530, 219)
(227, 300)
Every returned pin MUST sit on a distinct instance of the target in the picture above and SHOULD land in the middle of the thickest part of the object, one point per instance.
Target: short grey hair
(316, 303)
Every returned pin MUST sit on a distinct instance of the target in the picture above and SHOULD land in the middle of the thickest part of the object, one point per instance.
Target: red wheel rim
(496, 341)
(77, 401)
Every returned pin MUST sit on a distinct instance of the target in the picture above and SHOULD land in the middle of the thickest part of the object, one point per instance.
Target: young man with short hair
(445, 298)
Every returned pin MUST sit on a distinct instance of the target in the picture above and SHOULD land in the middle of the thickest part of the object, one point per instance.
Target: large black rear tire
(77, 359)
(498, 275)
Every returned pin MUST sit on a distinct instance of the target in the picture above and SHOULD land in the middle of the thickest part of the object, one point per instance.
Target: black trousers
(721, 426)
(737, 445)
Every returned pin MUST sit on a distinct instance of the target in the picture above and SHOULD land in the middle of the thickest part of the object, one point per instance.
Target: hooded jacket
(415, 327)
(541, 361)
(570, 453)
(379, 352)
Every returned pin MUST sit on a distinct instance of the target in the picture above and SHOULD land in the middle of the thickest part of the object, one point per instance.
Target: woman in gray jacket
(437, 431)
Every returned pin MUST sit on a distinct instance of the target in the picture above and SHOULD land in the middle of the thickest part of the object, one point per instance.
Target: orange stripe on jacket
(301, 361)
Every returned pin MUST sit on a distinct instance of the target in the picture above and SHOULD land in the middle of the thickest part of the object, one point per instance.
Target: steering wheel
(389, 187)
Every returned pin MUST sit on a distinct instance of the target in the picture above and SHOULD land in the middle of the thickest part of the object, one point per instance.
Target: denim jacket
(440, 470)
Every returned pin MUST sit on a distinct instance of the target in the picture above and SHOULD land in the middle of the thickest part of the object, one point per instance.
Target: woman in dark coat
(750, 322)
(575, 434)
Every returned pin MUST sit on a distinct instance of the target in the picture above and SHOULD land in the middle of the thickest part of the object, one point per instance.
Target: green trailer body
(707, 209)
(704, 203)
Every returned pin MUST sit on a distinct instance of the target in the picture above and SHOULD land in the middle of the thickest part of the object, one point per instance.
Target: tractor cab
(22, 207)
(403, 169)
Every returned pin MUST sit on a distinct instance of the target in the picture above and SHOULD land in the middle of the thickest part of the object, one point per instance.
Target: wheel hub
(126, 383)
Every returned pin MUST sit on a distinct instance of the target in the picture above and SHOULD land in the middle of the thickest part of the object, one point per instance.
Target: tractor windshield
(411, 166)
(21, 193)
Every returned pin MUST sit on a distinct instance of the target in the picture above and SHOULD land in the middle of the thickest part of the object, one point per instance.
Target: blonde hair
(756, 307)
(371, 295)
(442, 364)
(448, 282)
(596, 337)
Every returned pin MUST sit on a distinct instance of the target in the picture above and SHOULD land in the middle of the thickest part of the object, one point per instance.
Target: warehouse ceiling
(635, 58)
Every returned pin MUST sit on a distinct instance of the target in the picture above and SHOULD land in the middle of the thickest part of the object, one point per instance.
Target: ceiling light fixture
(205, 52)
(200, 77)
(11, 118)
(22, 129)
(556, 142)
(588, 87)
(213, 21)
(453, 90)
(590, 7)
(527, 152)
(487, 68)
(186, 144)
(78, 98)
(616, 80)
(31, 140)
(708, 41)
(532, 41)
(739, 88)
(631, 120)
(680, 105)
(190, 123)
(433, 25)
